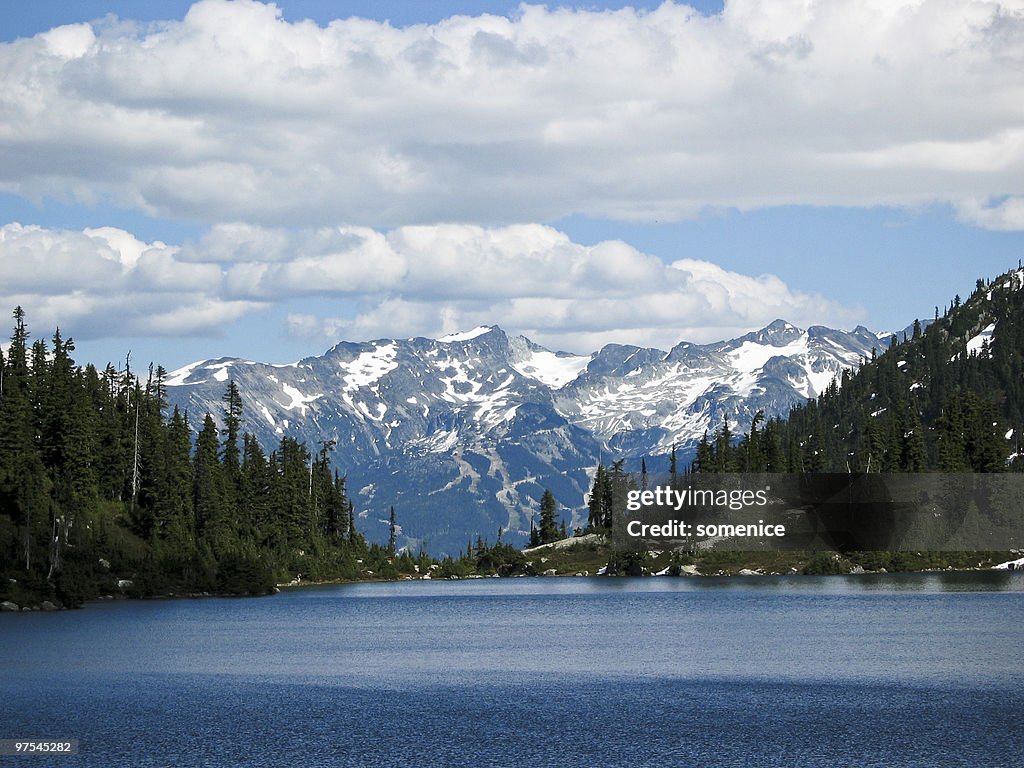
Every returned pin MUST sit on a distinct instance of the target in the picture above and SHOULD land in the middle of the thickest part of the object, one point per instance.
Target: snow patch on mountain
(369, 367)
(178, 377)
(553, 369)
(480, 330)
(266, 414)
(751, 356)
(818, 380)
(298, 400)
(975, 344)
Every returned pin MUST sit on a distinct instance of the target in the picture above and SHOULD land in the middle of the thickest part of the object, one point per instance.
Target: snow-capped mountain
(641, 401)
(462, 434)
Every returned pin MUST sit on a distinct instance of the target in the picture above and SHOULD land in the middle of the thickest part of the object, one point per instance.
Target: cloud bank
(417, 280)
(233, 114)
(106, 283)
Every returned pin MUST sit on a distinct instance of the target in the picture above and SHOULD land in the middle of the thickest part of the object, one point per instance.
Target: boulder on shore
(7, 605)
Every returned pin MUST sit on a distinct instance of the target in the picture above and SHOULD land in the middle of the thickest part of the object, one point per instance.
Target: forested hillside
(947, 398)
(102, 490)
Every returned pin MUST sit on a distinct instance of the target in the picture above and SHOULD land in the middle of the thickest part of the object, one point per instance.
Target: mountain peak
(480, 330)
(464, 432)
(777, 333)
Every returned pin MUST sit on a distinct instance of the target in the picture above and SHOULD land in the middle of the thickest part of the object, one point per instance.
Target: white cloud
(106, 283)
(532, 279)
(1007, 215)
(233, 114)
(425, 281)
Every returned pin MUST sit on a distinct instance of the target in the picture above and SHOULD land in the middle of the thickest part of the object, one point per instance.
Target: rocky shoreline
(10, 607)
(570, 569)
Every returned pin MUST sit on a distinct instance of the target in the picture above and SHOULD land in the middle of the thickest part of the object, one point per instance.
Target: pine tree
(596, 504)
(724, 461)
(705, 458)
(337, 509)
(68, 448)
(294, 523)
(548, 518)
(231, 432)
(24, 491)
(392, 534)
(952, 443)
(214, 523)
(913, 457)
(616, 479)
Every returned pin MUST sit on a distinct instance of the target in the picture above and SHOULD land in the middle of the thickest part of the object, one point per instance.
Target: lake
(876, 670)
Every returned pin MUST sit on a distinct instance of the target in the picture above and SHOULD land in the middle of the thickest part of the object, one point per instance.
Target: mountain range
(462, 434)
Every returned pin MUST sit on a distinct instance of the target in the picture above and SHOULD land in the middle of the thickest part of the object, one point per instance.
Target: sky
(193, 180)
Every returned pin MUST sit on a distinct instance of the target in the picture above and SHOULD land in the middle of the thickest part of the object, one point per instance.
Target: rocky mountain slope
(462, 434)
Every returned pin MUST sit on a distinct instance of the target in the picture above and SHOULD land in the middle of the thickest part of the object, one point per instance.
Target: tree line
(102, 484)
(925, 404)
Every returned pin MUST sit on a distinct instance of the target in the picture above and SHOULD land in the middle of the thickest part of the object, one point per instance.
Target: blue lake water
(896, 670)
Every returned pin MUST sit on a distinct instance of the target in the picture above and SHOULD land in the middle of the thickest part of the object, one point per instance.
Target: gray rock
(46, 605)
(7, 606)
(494, 419)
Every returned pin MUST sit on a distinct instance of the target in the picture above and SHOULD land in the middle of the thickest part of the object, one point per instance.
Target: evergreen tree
(597, 502)
(337, 509)
(253, 489)
(294, 523)
(24, 491)
(616, 479)
(705, 459)
(176, 514)
(392, 537)
(548, 531)
(214, 521)
(231, 454)
(724, 460)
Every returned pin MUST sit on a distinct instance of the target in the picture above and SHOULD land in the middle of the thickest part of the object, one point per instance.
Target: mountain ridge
(462, 434)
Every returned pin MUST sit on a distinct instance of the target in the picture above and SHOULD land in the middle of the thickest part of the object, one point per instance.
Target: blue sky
(189, 181)
(28, 19)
